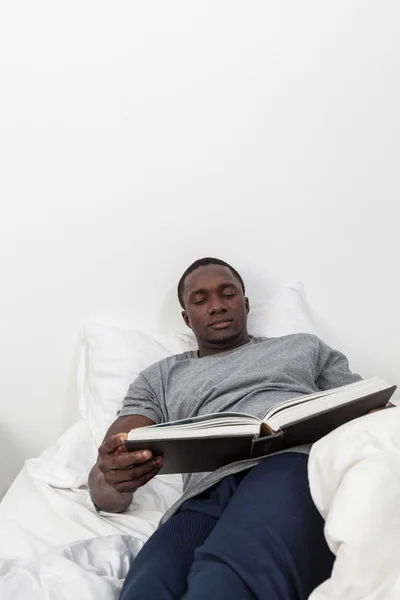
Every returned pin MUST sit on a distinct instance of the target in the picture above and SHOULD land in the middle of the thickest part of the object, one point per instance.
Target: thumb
(122, 448)
(114, 443)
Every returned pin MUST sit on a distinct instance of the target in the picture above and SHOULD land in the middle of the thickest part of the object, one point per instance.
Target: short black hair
(203, 262)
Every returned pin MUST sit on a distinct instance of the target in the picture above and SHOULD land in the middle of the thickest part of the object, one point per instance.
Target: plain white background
(136, 137)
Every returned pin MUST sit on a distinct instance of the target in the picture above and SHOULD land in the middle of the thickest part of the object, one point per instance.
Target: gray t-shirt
(248, 379)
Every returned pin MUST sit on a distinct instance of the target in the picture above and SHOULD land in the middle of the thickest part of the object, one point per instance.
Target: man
(250, 529)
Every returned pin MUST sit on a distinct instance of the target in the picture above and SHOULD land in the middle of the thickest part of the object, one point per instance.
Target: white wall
(138, 136)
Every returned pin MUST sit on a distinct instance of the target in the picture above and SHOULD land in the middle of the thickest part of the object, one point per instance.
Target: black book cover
(191, 455)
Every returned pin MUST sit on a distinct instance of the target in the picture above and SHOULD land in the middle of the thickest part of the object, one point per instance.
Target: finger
(136, 458)
(133, 474)
(110, 445)
(134, 481)
(127, 459)
(123, 461)
(132, 486)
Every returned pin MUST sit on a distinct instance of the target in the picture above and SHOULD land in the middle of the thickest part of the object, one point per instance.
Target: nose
(216, 307)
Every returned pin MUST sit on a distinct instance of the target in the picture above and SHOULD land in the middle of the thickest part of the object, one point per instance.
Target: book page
(213, 425)
(308, 397)
(220, 418)
(178, 433)
(315, 403)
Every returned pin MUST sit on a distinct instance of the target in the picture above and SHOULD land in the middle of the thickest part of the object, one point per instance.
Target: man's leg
(161, 568)
(269, 542)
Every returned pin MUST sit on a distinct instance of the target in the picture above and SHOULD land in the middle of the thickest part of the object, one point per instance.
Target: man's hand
(126, 471)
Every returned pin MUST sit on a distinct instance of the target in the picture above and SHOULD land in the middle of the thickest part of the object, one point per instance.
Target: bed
(53, 544)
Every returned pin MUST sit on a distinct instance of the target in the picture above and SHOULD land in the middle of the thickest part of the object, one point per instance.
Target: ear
(186, 318)
(247, 304)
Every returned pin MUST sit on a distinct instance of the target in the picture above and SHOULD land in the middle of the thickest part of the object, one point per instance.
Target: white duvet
(53, 545)
(355, 483)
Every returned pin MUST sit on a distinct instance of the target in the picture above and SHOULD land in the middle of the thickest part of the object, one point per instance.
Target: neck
(207, 348)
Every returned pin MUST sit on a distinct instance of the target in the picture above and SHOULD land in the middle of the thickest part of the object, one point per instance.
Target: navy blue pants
(254, 535)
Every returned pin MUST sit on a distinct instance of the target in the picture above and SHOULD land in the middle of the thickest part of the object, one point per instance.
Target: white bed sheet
(54, 544)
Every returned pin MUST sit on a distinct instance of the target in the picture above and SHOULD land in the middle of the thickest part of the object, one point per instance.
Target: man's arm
(118, 473)
(334, 370)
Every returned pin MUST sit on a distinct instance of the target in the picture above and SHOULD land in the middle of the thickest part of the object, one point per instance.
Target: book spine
(262, 446)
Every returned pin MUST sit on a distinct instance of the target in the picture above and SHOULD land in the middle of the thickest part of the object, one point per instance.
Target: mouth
(221, 323)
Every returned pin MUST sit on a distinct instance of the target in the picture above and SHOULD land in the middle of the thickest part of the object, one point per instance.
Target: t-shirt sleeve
(333, 368)
(141, 399)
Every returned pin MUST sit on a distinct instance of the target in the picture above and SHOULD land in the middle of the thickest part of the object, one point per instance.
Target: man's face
(215, 307)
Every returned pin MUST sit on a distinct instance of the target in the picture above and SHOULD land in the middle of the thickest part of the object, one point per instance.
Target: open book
(208, 442)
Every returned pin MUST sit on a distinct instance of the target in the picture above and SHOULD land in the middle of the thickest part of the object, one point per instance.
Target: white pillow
(284, 312)
(112, 357)
(110, 360)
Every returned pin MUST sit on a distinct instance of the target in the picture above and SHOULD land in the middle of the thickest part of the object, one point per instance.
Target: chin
(223, 339)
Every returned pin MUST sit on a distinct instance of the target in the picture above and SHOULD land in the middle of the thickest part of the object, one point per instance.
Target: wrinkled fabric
(354, 475)
(94, 568)
(53, 544)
